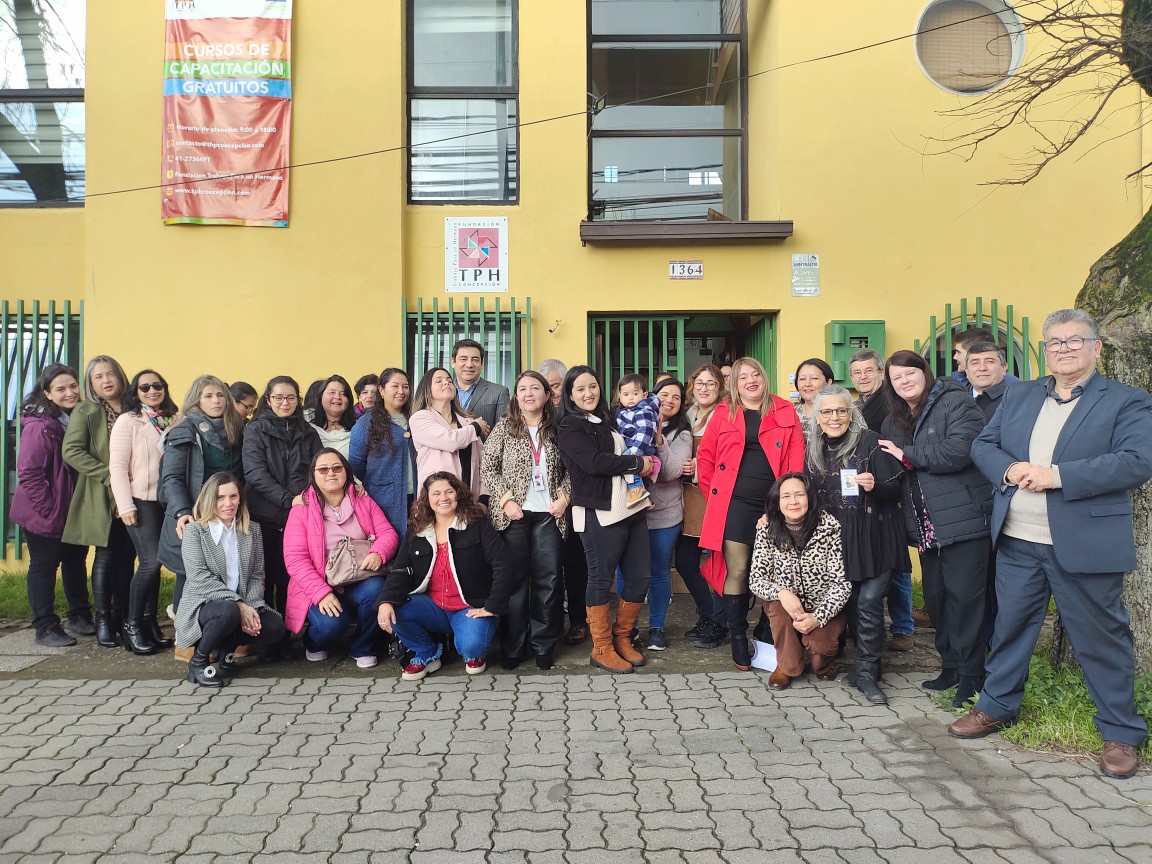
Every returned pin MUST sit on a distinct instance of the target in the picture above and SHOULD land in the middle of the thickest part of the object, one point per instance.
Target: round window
(969, 46)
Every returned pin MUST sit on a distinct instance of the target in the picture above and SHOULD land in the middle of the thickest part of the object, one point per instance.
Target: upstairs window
(462, 105)
(668, 137)
(41, 102)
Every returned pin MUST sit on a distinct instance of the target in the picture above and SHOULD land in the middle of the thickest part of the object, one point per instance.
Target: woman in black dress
(859, 484)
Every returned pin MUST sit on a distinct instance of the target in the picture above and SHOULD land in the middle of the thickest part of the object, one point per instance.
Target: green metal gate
(1014, 335)
(505, 333)
(648, 344)
(30, 339)
(760, 344)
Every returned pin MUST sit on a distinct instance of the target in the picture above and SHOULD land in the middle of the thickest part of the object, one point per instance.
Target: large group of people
(460, 514)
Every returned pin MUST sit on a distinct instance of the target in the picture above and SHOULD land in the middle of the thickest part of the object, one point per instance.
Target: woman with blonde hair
(751, 440)
(91, 513)
(223, 605)
(205, 440)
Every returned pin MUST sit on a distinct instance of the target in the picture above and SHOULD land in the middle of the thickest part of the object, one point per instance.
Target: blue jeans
(900, 604)
(661, 542)
(420, 617)
(359, 604)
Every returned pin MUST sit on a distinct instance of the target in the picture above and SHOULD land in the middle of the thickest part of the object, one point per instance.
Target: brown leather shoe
(901, 642)
(626, 615)
(829, 672)
(976, 724)
(575, 635)
(1118, 760)
(921, 618)
(779, 681)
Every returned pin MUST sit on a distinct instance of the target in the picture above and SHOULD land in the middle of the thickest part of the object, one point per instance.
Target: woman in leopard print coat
(530, 491)
(797, 569)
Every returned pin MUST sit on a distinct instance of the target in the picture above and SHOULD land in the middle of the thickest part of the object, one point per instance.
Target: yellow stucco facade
(835, 145)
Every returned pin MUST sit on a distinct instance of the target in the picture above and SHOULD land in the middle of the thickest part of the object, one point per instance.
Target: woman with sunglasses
(279, 446)
(134, 474)
(90, 514)
(859, 484)
(205, 440)
(330, 513)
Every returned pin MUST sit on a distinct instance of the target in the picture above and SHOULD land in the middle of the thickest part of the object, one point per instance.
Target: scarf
(211, 429)
(110, 415)
(160, 421)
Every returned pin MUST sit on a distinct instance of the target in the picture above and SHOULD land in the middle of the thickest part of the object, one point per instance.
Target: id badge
(538, 482)
(848, 485)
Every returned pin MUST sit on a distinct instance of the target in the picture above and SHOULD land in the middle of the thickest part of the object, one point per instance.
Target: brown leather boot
(626, 615)
(604, 655)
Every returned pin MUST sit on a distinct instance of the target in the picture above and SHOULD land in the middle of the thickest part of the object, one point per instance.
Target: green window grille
(1013, 334)
(30, 339)
(619, 345)
(503, 330)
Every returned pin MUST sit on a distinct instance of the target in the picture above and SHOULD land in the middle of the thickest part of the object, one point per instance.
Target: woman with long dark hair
(332, 511)
(278, 449)
(613, 535)
(91, 514)
(206, 440)
(947, 510)
(860, 484)
(381, 451)
(705, 391)
(134, 474)
(750, 441)
(530, 492)
(452, 575)
(447, 438)
(812, 376)
(44, 487)
(333, 413)
(797, 571)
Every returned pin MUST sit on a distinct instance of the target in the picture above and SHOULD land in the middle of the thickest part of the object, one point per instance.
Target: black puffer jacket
(277, 453)
(956, 495)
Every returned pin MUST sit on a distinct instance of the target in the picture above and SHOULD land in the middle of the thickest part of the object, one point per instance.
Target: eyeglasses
(1075, 343)
(325, 470)
(283, 400)
(144, 388)
(248, 408)
(706, 385)
(837, 412)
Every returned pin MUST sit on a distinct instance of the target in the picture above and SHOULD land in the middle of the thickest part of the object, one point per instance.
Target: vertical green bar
(433, 358)
(680, 371)
(609, 385)
(5, 343)
(652, 354)
(1010, 346)
(80, 360)
(34, 346)
(963, 320)
(1025, 336)
(947, 355)
(932, 349)
(994, 321)
(403, 332)
(527, 333)
(516, 360)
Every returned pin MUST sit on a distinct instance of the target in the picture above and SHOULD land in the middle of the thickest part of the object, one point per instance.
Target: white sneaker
(171, 613)
(366, 662)
(315, 656)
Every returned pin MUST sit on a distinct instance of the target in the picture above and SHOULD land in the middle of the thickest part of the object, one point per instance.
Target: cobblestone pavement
(647, 768)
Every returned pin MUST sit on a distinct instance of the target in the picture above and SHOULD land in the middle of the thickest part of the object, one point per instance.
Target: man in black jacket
(987, 375)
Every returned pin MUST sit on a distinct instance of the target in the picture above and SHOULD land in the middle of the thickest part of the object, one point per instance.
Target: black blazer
(480, 563)
(589, 454)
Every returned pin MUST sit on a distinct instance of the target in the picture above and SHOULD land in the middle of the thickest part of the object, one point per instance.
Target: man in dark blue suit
(1064, 453)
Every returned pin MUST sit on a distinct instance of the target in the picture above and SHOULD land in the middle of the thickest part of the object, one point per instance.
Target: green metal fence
(505, 333)
(31, 336)
(647, 344)
(1013, 334)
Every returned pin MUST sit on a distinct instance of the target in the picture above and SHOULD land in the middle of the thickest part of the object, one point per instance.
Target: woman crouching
(797, 569)
(223, 602)
(452, 575)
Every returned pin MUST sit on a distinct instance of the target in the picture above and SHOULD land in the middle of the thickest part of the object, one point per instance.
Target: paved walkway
(644, 769)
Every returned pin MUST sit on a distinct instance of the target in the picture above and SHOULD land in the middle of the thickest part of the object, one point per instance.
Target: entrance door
(647, 344)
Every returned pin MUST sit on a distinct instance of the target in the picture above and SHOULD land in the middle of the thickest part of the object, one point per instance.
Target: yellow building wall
(40, 255)
(838, 147)
(319, 297)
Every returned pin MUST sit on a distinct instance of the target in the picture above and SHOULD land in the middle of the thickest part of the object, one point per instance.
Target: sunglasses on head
(157, 386)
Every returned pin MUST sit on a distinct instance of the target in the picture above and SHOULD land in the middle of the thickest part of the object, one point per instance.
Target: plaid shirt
(638, 426)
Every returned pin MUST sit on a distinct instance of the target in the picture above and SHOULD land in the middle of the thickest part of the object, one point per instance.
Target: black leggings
(144, 590)
(220, 628)
(624, 544)
(275, 573)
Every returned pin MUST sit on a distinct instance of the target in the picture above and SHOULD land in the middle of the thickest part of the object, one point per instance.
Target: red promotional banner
(227, 112)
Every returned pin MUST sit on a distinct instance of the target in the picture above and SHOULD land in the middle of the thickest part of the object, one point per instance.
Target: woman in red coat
(750, 440)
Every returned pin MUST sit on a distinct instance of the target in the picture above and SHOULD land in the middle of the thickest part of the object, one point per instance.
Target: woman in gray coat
(223, 604)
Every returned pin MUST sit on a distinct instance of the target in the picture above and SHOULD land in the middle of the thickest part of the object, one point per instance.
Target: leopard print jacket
(815, 574)
(506, 469)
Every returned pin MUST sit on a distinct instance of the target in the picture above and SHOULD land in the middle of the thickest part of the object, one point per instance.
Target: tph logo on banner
(476, 254)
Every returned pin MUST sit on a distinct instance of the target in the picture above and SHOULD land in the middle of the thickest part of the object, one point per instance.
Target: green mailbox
(842, 339)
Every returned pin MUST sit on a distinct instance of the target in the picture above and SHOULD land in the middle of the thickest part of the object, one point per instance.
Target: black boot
(102, 600)
(736, 605)
(152, 629)
(201, 672)
(136, 639)
(966, 688)
(947, 678)
(866, 684)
